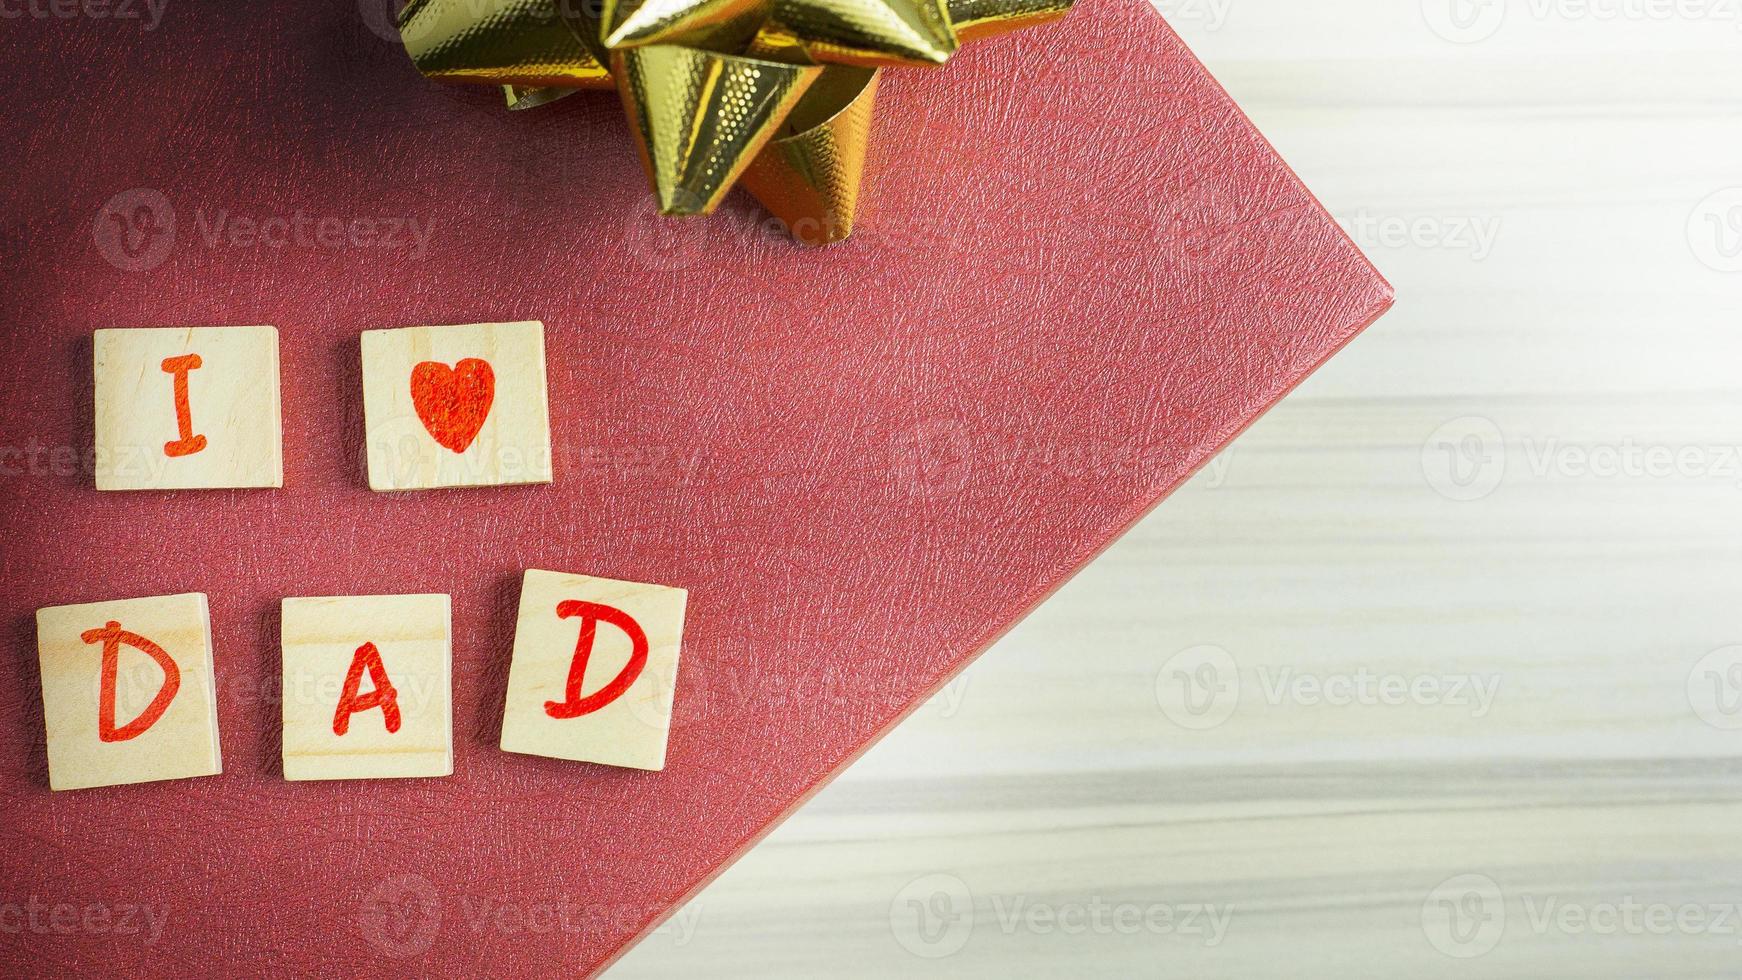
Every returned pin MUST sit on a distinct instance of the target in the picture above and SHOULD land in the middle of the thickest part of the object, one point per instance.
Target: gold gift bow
(775, 94)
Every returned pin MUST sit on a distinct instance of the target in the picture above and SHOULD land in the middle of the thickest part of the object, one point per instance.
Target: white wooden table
(1438, 670)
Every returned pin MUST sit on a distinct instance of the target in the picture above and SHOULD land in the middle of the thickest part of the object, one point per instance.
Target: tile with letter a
(594, 670)
(182, 408)
(460, 406)
(367, 687)
(127, 691)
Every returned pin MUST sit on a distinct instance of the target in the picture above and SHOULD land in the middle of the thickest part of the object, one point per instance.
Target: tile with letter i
(182, 408)
(127, 691)
(459, 406)
(594, 670)
(367, 687)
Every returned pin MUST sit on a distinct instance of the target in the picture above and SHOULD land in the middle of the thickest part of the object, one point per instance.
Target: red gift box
(1079, 272)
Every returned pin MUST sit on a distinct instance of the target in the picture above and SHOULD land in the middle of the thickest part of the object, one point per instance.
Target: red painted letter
(383, 696)
(591, 615)
(189, 443)
(112, 636)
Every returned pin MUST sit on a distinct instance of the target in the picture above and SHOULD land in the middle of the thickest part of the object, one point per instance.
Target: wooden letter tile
(127, 692)
(593, 670)
(457, 406)
(367, 687)
(187, 407)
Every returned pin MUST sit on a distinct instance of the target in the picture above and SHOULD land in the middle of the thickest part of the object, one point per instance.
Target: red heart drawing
(453, 402)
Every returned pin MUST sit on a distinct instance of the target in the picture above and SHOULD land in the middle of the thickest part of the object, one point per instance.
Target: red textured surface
(1081, 274)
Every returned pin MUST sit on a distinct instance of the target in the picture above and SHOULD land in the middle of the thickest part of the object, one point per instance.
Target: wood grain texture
(636, 638)
(410, 639)
(160, 722)
(219, 384)
(1540, 199)
(494, 371)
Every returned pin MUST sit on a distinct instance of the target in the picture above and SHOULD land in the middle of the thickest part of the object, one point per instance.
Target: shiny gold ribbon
(773, 94)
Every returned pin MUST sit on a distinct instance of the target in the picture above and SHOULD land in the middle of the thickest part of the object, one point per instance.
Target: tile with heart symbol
(181, 408)
(458, 406)
(870, 460)
(127, 691)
